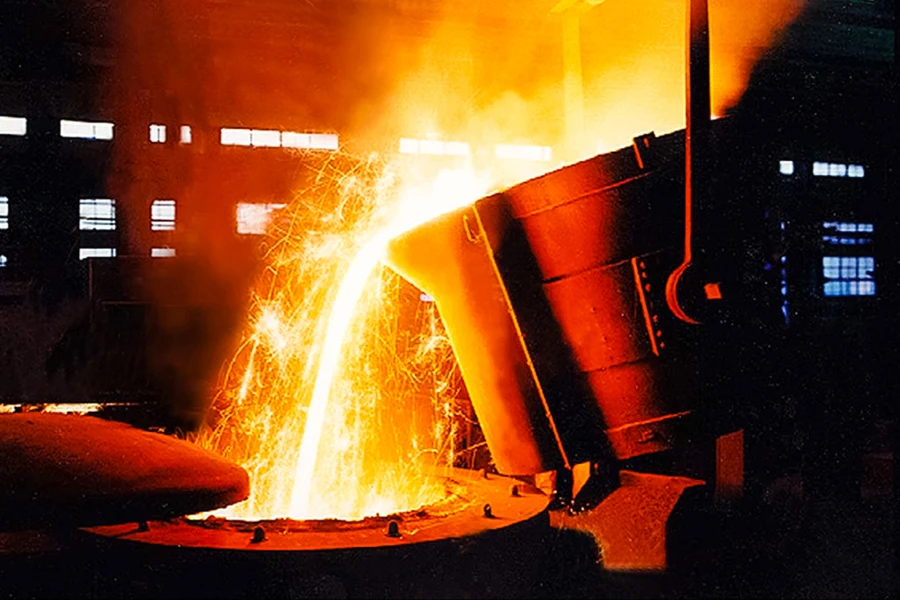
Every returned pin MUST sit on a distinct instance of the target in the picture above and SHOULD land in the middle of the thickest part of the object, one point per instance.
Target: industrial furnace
(614, 334)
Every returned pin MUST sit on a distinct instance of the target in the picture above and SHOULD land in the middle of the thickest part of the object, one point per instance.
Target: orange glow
(339, 318)
(317, 404)
(634, 62)
(330, 419)
(454, 189)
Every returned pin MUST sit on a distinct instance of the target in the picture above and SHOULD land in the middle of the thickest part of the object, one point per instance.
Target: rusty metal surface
(603, 319)
(450, 259)
(461, 515)
(601, 226)
(66, 470)
(553, 294)
(450, 550)
(577, 180)
(653, 435)
(631, 524)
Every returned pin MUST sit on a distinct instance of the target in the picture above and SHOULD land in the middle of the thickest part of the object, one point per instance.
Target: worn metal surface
(449, 258)
(631, 526)
(65, 470)
(553, 295)
(448, 550)
(460, 515)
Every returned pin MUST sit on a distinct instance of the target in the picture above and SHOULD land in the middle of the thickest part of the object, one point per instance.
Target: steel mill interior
(448, 299)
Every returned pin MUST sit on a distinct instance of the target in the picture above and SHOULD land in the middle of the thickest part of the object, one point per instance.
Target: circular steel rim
(478, 504)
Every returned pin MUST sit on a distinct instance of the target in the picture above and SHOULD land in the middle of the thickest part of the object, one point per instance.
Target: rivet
(393, 529)
(259, 535)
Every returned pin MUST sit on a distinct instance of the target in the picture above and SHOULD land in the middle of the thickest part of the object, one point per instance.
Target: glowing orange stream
(338, 322)
(451, 190)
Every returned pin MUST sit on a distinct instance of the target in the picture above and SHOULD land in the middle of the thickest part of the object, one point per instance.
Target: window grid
(4, 212)
(97, 214)
(271, 138)
(848, 275)
(13, 125)
(847, 234)
(84, 253)
(88, 130)
(253, 218)
(825, 169)
(157, 133)
(162, 215)
(265, 138)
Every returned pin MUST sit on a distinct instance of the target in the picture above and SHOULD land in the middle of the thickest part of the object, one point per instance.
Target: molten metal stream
(339, 320)
(316, 403)
(414, 210)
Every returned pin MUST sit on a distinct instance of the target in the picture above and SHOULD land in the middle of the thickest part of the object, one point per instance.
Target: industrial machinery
(583, 330)
(553, 294)
(586, 309)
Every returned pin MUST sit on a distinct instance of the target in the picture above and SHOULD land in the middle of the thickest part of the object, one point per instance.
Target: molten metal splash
(413, 209)
(334, 412)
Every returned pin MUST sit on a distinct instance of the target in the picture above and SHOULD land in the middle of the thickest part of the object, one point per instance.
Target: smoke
(485, 73)
(472, 79)
(634, 61)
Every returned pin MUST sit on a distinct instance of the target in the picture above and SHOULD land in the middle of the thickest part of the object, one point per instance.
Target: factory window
(265, 138)
(186, 137)
(271, 138)
(158, 134)
(162, 252)
(162, 215)
(4, 212)
(848, 275)
(523, 152)
(13, 125)
(786, 167)
(88, 130)
(84, 253)
(413, 146)
(847, 234)
(824, 169)
(309, 141)
(255, 218)
(97, 214)
(235, 137)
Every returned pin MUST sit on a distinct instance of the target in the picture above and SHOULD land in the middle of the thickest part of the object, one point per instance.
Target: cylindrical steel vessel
(553, 294)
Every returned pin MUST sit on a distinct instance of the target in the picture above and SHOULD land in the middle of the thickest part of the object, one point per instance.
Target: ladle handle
(696, 155)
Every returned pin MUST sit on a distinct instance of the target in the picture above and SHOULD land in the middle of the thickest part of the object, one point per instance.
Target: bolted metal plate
(460, 515)
(447, 550)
